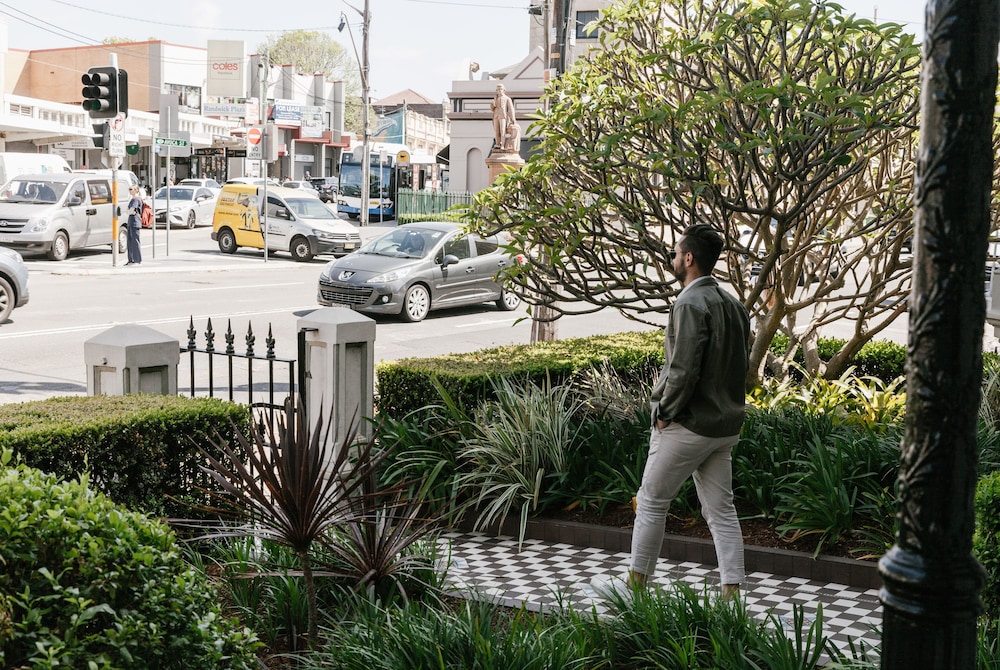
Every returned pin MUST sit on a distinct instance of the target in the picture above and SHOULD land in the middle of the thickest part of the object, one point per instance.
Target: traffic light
(100, 136)
(105, 92)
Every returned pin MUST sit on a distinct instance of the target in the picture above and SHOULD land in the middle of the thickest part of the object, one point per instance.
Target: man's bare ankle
(730, 591)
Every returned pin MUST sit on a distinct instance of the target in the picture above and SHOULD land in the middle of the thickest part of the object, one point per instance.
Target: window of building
(582, 19)
(189, 97)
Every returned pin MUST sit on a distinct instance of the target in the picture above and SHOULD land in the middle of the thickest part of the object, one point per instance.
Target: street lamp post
(366, 17)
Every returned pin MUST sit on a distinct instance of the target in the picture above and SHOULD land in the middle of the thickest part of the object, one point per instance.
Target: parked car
(189, 205)
(54, 213)
(327, 187)
(305, 185)
(13, 282)
(207, 182)
(296, 222)
(418, 268)
(257, 181)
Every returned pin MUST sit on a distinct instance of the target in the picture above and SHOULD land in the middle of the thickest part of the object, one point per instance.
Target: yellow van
(297, 222)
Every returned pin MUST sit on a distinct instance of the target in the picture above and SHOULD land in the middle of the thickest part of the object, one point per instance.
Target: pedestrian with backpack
(134, 225)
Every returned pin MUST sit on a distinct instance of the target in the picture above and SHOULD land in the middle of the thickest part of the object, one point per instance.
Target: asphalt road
(42, 345)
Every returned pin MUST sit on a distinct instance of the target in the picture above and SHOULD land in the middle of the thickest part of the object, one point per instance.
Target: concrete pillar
(129, 358)
(338, 370)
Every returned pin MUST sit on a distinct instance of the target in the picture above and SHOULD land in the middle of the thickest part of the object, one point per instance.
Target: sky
(418, 44)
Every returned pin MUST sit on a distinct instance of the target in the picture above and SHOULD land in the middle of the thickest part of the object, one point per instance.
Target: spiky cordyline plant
(291, 490)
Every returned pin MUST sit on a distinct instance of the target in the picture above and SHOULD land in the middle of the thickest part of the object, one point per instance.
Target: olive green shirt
(706, 354)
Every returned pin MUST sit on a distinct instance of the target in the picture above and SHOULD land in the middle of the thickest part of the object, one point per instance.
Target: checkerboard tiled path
(547, 574)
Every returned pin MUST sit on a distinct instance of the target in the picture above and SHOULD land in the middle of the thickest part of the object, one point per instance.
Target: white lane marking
(238, 288)
(148, 322)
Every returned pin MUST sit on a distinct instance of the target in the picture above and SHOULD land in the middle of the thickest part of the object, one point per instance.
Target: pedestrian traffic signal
(105, 92)
(101, 132)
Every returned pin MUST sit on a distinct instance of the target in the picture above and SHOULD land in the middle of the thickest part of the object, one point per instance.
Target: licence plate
(6, 239)
(349, 245)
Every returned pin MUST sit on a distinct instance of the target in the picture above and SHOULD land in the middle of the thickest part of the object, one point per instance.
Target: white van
(55, 213)
(14, 163)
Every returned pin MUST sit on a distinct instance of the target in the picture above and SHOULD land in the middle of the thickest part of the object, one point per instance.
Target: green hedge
(406, 385)
(878, 358)
(88, 584)
(140, 450)
(986, 542)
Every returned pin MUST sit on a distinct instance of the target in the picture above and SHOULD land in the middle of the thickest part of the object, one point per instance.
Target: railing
(412, 205)
(267, 395)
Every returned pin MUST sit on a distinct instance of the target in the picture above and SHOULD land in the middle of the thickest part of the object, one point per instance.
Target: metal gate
(267, 382)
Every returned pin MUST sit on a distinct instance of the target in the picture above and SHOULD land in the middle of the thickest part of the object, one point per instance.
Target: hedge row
(141, 450)
(406, 385)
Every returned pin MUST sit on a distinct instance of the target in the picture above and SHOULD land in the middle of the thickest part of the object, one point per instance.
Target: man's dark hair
(704, 243)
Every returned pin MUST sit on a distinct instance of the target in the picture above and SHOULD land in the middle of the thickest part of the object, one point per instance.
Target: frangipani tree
(787, 124)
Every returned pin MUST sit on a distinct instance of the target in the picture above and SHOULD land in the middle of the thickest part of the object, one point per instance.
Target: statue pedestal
(500, 162)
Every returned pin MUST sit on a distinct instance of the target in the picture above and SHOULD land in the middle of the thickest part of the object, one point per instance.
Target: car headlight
(322, 234)
(391, 276)
(38, 226)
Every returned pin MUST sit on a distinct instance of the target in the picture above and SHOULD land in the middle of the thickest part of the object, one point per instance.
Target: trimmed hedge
(406, 385)
(88, 584)
(879, 358)
(140, 450)
(986, 541)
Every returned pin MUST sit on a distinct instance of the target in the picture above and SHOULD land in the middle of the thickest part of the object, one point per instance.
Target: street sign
(171, 141)
(403, 159)
(116, 136)
(255, 144)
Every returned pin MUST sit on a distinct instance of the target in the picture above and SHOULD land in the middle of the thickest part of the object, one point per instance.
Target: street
(42, 346)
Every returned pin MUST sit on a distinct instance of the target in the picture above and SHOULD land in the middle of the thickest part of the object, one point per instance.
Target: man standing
(697, 411)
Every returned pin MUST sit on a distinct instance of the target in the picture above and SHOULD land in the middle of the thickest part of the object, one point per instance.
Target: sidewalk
(543, 574)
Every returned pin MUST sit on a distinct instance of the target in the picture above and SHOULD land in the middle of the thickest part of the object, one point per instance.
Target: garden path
(544, 574)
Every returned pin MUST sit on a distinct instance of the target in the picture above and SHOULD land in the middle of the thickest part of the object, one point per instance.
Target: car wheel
(60, 246)
(300, 250)
(227, 241)
(508, 301)
(6, 299)
(191, 220)
(123, 240)
(353, 217)
(416, 304)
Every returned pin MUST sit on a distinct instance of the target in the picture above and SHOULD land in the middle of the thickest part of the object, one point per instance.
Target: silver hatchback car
(417, 268)
(13, 282)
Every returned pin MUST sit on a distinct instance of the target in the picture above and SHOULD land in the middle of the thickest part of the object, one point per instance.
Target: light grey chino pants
(676, 453)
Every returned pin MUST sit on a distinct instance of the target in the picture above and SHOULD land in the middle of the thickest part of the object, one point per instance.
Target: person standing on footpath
(134, 226)
(698, 407)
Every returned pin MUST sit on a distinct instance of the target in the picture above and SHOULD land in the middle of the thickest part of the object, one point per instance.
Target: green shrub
(878, 358)
(88, 584)
(140, 450)
(986, 541)
(406, 385)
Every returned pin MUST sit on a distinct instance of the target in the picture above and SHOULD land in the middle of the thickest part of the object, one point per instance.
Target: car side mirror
(283, 213)
(73, 200)
(450, 259)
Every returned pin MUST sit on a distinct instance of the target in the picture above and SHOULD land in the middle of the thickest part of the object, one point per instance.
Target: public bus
(384, 179)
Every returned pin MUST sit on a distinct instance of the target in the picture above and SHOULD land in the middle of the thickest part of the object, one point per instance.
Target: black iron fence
(266, 382)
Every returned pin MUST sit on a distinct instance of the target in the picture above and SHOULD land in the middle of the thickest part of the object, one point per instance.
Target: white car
(305, 186)
(189, 205)
(206, 182)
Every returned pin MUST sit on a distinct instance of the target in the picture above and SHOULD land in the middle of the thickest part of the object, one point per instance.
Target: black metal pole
(932, 581)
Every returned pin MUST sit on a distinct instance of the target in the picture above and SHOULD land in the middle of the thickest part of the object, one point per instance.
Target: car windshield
(31, 190)
(176, 193)
(310, 208)
(406, 242)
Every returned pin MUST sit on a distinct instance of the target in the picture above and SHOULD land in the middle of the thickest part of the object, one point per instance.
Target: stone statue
(503, 115)
(512, 138)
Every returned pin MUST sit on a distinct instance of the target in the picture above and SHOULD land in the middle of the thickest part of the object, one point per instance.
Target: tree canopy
(785, 123)
(312, 52)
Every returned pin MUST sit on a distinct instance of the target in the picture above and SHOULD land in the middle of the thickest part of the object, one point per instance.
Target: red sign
(253, 136)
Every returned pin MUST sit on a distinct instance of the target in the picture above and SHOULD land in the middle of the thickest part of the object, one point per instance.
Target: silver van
(56, 213)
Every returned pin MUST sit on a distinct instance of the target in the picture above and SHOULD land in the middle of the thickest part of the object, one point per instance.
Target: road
(42, 346)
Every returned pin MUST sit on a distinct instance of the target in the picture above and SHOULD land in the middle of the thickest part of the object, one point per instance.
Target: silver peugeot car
(13, 282)
(417, 268)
